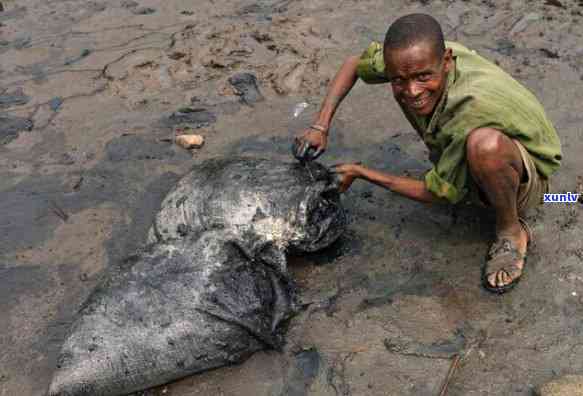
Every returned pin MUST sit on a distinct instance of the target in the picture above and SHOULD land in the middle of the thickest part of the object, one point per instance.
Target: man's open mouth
(419, 103)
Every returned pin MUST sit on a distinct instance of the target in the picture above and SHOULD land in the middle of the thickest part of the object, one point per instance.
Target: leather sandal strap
(528, 230)
(503, 256)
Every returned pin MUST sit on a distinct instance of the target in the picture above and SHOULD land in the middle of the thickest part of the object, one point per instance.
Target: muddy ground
(89, 88)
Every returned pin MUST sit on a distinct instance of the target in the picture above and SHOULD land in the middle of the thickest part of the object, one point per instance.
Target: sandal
(503, 256)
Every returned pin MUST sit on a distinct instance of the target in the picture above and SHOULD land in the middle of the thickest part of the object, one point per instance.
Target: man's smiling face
(418, 76)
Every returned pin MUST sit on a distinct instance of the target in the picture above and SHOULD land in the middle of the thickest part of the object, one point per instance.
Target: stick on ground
(452, 369)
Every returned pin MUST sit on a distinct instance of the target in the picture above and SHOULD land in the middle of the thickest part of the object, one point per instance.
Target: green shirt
(478, 94)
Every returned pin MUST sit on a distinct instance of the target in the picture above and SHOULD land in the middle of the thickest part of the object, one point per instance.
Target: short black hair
(411, 29)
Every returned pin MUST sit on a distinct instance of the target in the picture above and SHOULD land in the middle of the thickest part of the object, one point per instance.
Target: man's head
(417, 62)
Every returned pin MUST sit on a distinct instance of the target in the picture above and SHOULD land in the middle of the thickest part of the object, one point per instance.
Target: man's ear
(448, 59)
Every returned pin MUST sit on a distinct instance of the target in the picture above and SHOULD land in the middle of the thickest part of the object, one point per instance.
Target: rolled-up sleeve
(371, 66)
(448, 176)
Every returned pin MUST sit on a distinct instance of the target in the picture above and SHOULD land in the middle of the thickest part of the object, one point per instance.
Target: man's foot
(506, 260)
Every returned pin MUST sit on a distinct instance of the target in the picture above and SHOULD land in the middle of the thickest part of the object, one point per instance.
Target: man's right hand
(313, 139)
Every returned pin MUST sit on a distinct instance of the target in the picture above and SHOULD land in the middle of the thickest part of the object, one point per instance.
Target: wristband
(319, 128)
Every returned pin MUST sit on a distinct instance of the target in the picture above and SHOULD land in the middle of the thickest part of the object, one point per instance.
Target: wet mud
(92, 94)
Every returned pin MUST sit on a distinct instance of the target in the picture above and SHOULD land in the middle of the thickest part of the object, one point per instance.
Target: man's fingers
(339, 169)
(295, 148)
(318, 153)
(304, 149)
(299, 149)
(336, 182)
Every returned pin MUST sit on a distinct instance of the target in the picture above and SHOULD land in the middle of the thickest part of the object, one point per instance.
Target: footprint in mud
(193, 117)
(385, 286)
(245, 86)
(301, 375)
(16, 98)
(129, 4)
(10, 127)
(143, 11)
(441, 349)
(132, 147)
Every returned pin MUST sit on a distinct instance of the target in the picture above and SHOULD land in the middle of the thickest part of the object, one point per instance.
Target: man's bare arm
(341, 85)
(316, 136)
(406, 186)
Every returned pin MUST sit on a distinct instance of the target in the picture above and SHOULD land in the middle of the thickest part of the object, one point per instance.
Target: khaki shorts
(530, 191)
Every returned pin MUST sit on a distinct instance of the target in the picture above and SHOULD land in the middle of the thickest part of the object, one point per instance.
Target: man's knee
(485, 143)
(489, 150)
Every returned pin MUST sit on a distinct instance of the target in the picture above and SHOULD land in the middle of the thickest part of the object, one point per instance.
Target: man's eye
(424, 77)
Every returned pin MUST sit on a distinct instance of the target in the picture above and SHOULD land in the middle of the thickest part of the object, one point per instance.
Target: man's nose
(413, 89)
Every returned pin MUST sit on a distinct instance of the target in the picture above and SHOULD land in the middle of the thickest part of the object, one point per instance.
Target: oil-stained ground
(90, 92)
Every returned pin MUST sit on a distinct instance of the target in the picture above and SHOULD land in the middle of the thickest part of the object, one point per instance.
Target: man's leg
(496, 165)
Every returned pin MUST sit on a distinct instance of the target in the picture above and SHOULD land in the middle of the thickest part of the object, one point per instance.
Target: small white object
(574, 294)
(190, 141)
(524, 22)
(299, 108)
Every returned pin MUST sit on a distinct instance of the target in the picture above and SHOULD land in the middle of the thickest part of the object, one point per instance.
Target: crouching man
(488, 136)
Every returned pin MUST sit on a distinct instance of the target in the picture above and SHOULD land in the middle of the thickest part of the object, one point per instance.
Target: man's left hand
(346, 174)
